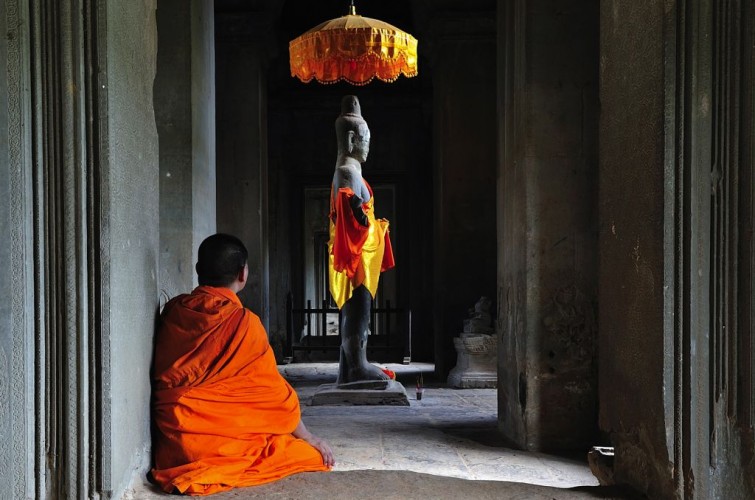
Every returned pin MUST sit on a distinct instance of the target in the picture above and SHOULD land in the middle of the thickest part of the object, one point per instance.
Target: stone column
(547, 204)
(130, 240)
(185, 116)
(242, 160)
(676, 254)
(78, 157)
(632, 263)
(18, 460)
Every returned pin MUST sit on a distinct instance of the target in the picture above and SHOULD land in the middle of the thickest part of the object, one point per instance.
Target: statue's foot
(362, 372)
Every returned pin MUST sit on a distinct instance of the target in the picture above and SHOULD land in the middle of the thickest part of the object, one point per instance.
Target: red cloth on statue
(350, 234)
(388, 261)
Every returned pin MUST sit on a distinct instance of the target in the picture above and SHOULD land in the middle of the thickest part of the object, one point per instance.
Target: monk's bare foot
(363, 372)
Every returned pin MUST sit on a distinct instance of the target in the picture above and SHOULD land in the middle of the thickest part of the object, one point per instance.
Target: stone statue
(476, 349)
(359, 246)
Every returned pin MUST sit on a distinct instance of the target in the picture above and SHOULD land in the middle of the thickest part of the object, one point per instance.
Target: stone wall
(16, 272)
(185, 115)
(131, 236)
(203, 135)
(81, 249)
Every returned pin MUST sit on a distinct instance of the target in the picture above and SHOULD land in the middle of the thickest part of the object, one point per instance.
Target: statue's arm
(356, 209)
(348, 177)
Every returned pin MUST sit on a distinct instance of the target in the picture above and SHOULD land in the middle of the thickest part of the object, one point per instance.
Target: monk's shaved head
(221, 258)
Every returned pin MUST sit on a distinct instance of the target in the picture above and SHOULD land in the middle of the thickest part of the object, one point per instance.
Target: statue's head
(352, 132)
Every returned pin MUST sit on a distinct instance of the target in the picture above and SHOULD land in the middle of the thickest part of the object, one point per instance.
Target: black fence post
(289, 328)
(408, 339)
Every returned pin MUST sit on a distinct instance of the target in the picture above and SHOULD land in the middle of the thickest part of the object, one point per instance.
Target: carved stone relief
(18, 368)
(569, 319)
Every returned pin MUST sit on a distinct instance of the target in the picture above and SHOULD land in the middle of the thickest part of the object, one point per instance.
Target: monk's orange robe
(222, 412)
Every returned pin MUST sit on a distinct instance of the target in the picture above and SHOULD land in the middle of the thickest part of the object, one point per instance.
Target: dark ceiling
(273, 23)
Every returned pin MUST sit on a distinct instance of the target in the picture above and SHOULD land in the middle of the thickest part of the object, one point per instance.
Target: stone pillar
(462, 47)
(242, 160)
(129, 239)
(676, 251)
(633, 378)
(78, 157)
(185, 116)
(18, 460)
(547, 204)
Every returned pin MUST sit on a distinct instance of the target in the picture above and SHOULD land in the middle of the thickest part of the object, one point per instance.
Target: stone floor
(444, 446)
(450, 432)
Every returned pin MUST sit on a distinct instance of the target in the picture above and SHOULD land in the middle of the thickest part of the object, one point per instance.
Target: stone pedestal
(378, 392)
(476, 366)
(476, 350)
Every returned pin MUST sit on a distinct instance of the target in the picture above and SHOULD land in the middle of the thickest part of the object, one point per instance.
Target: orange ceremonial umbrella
(353, 48)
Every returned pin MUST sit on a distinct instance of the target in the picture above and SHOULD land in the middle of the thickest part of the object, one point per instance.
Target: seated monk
(224, 416)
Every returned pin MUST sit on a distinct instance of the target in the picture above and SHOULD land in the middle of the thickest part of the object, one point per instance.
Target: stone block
(476, 362)
(386, 393)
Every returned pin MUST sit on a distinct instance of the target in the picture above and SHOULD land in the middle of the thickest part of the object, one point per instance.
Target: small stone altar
(476, 350)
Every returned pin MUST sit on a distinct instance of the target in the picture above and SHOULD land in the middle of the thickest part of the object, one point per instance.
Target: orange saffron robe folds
(223, 414)
(357, 254)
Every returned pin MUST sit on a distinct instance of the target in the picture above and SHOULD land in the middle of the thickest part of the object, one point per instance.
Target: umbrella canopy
(355, 49)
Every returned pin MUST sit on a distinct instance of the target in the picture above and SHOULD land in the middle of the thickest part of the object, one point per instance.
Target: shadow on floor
(403, 485)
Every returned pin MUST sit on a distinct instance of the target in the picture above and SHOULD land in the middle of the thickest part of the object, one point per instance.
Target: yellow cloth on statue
(371, 259)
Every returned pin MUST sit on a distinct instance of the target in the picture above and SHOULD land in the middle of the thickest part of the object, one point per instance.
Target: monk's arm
(319, 444)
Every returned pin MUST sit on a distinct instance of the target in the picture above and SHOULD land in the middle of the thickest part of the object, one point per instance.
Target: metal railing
(390, 330)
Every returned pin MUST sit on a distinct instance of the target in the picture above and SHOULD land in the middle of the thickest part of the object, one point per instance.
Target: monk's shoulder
(250, 317)
(170, 306)
(252, 323)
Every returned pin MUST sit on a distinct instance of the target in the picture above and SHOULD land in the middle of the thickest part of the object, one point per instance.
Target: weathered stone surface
(184, 104)
(472, 379)
(476, 362)
(393, 394)
(476, 350)
(547, 201)
(632, 312)
(377, 385)
(131, 238)
(242, 160)
(600, 459)
(15, 262)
